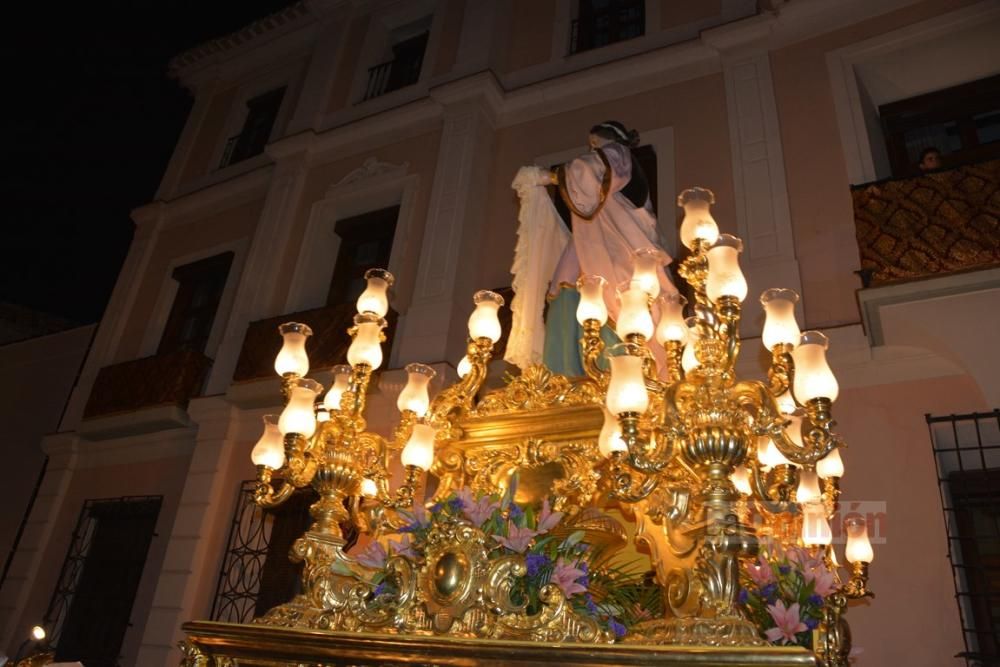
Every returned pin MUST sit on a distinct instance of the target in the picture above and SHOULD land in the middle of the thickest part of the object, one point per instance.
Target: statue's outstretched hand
(529, 177)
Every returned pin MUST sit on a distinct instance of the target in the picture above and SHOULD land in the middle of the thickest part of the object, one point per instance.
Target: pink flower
(547, 519)
(479, 511)
(403, 548)
(373, 555)
(787, 623)
(803, 559)
(517, 539)
(566, 576)
(826, 582)
(761, 572)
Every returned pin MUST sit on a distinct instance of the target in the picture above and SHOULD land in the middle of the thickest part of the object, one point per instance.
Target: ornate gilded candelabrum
(699, 449)
(327, 445)
(714, 466)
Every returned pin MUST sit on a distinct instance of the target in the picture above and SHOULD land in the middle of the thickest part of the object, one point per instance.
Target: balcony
(928, 226)
(930, 258)
(144, 395)
(327, 347)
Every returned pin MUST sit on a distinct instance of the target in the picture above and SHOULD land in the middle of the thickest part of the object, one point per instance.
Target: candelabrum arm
(781, 373)
(674, 350)
(626, 486)
(591, 349)
(817, 441)
(460, 395)
(402, 498)
(264, 493)
(728, 309)
(300, 461)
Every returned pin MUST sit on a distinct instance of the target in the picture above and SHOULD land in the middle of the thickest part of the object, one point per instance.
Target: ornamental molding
(371, 168)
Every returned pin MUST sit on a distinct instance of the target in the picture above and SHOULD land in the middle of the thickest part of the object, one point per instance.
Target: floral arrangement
(615, 596)
(784, 592)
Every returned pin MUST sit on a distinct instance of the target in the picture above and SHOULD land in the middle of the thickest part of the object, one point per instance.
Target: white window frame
(864, 147)
(168, 292)
(377, 44)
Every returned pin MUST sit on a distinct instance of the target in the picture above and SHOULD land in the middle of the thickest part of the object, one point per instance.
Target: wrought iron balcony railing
(327, 346)
(392, 75)
(929, 225)
(172, 378)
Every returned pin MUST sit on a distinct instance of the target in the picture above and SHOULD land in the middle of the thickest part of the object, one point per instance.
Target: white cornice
(187, 65)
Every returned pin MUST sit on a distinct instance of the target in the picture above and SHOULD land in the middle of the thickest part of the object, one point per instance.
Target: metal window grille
(257, 573)
(90, 609)
(246, 551)
(967, 455)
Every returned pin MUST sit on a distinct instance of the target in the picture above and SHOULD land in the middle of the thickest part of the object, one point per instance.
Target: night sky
(90, 120)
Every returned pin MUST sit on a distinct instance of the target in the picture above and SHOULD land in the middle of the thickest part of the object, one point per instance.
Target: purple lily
(479, 511)
(373, 555)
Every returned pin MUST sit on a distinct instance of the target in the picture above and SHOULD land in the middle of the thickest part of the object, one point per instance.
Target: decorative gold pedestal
(230, 645)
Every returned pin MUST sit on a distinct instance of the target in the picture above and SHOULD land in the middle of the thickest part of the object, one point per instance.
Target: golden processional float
(497, 544)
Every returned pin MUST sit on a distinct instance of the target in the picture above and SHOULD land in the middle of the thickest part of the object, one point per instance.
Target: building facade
(337, 135)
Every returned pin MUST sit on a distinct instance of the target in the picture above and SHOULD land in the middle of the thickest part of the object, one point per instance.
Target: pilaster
(189, 571)
(434, 326)
(189, 135)
(762, 211)
(323, 66)
(253, 296)
(62, 450)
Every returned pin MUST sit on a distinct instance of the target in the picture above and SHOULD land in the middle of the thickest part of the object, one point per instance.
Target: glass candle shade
(768, 453)
(484, 322)
(610, 438)
(633, 316)
(671, 325)
(698, 222)
(415, 396)
(859, 547)
(464, 366)
(419, 449)
(808, 491)
(322, 414)
(341, 381)
(627, 387)
(375, 298)
(298, 416)
(292, 357)
(270, 449)
(368, 488)
(689, 360)
(779, 322)
(724, 275)
(813, 377)
(815, 528)
(591, 306)
(740, 478)
(646, 264)
(366, 348)
(831, 465)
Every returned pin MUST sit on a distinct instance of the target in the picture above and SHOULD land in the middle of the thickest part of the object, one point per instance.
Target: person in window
(930, 159)
(612, 217)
